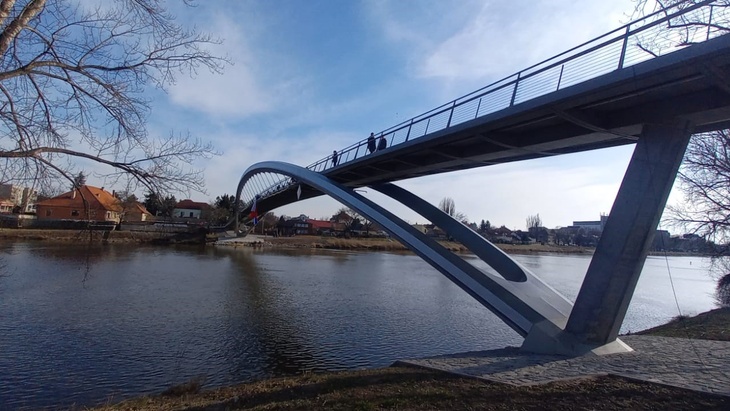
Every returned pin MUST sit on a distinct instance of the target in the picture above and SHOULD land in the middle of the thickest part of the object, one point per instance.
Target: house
(320, 227)
(421, 228)
(135, 213)
(293, 226)
(592, 225)
(435, 232)
(102, 206)
(6, 206)
(503, 235)
(540, 234)
(190, 209)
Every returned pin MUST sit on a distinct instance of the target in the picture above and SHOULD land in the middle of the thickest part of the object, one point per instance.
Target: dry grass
(382, 244)
(399, 388)
(712, 325)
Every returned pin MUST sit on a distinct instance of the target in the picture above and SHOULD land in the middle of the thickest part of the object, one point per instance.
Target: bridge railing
(656, 34)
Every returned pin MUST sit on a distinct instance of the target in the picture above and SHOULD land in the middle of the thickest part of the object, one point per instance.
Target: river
(85, 324)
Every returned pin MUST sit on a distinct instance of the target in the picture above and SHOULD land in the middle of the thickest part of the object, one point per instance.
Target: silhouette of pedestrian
(371, 143)
(334, 158)
(382, 143)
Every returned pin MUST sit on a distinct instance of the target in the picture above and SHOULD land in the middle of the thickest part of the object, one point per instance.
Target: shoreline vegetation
(299, 242)
(408, 388)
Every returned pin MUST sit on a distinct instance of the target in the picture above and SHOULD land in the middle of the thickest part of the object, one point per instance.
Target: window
(191, 214)
(74, 213)
(108, 215)
(48, 213)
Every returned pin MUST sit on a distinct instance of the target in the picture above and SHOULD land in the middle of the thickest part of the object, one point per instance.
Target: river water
(85, 324)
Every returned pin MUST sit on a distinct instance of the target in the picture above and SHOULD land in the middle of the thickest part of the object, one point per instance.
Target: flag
(253, 214)
(299, 191)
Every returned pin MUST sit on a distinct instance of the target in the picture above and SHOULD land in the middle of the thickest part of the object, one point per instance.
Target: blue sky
(312, 76)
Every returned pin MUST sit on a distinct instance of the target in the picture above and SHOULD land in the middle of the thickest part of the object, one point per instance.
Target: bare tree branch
(73, 83)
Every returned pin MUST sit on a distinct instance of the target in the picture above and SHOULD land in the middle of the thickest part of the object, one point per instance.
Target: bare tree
(72, 84)
(705, 181)
(687, 29)
(448, 206)
(533, 221)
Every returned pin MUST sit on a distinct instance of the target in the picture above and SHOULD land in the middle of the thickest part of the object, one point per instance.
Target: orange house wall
(64, 213)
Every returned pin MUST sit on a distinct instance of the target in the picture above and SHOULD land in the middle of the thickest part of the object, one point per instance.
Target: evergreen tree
(152, 203)
(79, 180)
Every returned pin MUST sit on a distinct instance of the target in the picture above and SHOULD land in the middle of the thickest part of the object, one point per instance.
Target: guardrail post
(514, 92)
(709, 23)
(409, 130)
(560, 78)
(451, 115)
(623, 48)
(479, 104)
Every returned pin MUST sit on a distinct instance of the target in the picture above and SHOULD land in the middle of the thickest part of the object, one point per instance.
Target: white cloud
(240, 91)
(489, 40)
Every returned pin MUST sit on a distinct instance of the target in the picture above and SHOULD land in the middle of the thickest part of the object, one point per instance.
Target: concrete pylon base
(547, 338)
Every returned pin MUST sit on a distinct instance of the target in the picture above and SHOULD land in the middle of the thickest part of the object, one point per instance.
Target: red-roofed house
(136, 212)
(103, 206)
(189, 209)
(319, 227)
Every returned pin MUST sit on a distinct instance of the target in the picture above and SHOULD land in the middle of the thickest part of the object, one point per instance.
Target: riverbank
(101, 236)
(305, 241)
(386, 244)
(405, 388)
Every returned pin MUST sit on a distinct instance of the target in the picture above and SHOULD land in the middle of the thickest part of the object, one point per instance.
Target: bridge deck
(690, 84)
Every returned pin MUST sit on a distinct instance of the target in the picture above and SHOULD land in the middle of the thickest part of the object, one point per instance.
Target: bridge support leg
(604, 297)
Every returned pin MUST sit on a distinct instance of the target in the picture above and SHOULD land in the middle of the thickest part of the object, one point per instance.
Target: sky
(312, 76)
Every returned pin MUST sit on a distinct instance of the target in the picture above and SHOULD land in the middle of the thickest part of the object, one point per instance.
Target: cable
(679, 310)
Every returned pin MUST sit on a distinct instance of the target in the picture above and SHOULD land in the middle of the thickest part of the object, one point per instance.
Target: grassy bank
(712, 325)
(98, 236)
(401, 388)
(383, 244)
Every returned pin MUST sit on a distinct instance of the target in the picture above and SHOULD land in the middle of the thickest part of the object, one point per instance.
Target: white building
(189, 209)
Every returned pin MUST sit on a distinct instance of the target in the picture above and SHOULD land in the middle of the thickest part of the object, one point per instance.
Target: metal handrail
(603, 54)
(520, 86)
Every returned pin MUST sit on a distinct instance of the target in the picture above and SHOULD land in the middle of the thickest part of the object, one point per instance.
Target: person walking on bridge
(382, 144)
(371, 143)
(334, 158)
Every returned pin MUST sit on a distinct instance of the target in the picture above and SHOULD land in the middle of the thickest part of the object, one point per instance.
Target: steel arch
(519, 304)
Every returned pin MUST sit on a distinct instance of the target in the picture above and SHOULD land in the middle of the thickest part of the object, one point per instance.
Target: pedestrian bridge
(651, 83)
